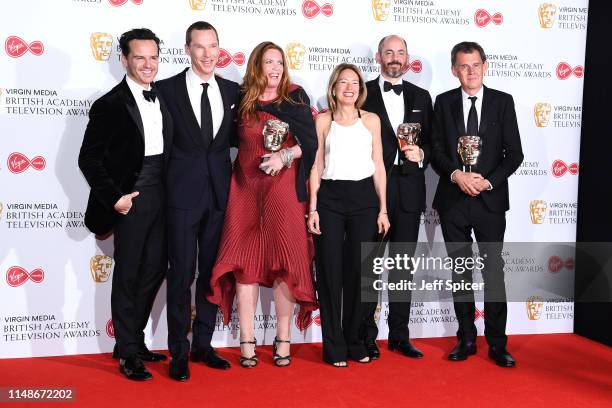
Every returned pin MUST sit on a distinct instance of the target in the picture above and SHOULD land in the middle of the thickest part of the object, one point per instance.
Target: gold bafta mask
(541, 113)
(101, 267)
(295, 55)
(197, 4)
(380, 9)
(469, 148)
(537, 211)
(534, 306)
(546, 13)
(101, 45)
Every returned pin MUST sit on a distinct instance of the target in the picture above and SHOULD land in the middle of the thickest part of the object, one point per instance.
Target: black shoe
(462, 350)
(133, 368)
(179, 369)
(280, 361)
(501, 356)
(249, 362)
(144, 353)
(372, 349)
(210, 358)
(406, 348)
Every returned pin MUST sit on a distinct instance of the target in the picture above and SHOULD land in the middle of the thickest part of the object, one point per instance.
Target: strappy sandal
(278, 359)
(249, 362)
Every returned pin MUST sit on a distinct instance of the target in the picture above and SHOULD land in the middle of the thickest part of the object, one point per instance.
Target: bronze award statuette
(469, 148)
(408, 134)
(274, 135)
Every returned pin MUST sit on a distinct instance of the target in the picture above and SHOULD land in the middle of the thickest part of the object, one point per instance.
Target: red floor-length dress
(264, 235)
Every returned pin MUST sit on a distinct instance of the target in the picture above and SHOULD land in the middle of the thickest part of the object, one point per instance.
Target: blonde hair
(254, 83)
(333, 79)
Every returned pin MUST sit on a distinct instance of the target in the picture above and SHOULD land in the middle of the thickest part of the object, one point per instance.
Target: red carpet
(560, 370)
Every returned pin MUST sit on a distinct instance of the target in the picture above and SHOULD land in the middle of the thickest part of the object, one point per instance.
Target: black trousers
(402, 239)
(347, 213)
(140, 265)
(193, 235)
(489, 227)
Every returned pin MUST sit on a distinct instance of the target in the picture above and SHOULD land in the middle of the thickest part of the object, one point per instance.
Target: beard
(393, 69)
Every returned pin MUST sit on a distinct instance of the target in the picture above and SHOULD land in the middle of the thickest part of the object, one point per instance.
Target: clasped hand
(471, 184)
(273, 165)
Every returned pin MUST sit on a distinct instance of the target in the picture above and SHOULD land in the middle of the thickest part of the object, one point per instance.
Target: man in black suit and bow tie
(123, 157)
(476, 199)
(203, 107)
(397, 101)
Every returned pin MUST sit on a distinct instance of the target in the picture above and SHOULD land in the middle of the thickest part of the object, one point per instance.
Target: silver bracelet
(286, 156)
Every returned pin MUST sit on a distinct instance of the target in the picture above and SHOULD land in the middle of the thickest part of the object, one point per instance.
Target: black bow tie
(149, 95)
(396, 88)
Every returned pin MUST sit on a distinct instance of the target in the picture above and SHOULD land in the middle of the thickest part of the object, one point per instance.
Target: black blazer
(501, 152)
(417, 108)
(112, 153)
(193, 164)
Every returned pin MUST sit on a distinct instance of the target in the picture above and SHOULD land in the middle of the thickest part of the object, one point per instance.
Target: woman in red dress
(265, 240)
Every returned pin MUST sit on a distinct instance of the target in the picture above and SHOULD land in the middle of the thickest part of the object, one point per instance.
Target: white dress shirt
(394, 105)
(467, 104)
(195, 89)
(151, 116)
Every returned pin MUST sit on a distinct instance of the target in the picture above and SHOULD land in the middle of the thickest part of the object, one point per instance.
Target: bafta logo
(380, 9)
(101, 267)
(537, 211)
(1, 211)
(534, 306)
(296, 53)
(541, 114)
(377, 313)
(197, 4)
(546, 13)
(101, 46)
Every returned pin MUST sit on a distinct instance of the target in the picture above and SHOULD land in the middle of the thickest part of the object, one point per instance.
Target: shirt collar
(196, 82)
(465, 95)
(135, 87)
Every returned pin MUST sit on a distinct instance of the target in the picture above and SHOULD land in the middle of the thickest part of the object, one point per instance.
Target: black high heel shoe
(278, 359)
(249, 362)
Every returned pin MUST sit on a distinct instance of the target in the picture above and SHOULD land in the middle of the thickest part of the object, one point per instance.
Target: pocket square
(416, 110)
(232, 107)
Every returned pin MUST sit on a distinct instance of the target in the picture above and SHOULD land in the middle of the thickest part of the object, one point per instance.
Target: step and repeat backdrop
(58, 56)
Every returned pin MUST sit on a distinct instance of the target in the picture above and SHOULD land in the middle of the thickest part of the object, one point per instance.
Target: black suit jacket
(112, 153)
(193, 164)
(501, 152)
(417, 108)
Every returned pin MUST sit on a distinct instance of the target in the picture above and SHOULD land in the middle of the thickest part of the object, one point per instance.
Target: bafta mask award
(408, 134)
(274, 135)
(469, 148)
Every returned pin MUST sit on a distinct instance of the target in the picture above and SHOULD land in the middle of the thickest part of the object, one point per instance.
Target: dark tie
(149, 95)
(472, 122)
(396, 88)
(206, 116)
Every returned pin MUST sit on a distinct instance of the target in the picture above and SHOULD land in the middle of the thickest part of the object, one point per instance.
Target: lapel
(408, 101)
(377, 100)
(184, 106)
(485, 111)
(457, 111)
(226, 113)
(132, 108)
(166, 125)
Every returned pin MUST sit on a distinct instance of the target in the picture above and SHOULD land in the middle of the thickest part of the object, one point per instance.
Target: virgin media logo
(555, 264)
(482, 18)
(415, 66)
(110, 330)
(17, 276)
(559, 168)
(225, 58)
(117, 3)
(565, 70)
(15, 47)
(311, 9)
(18, 163)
